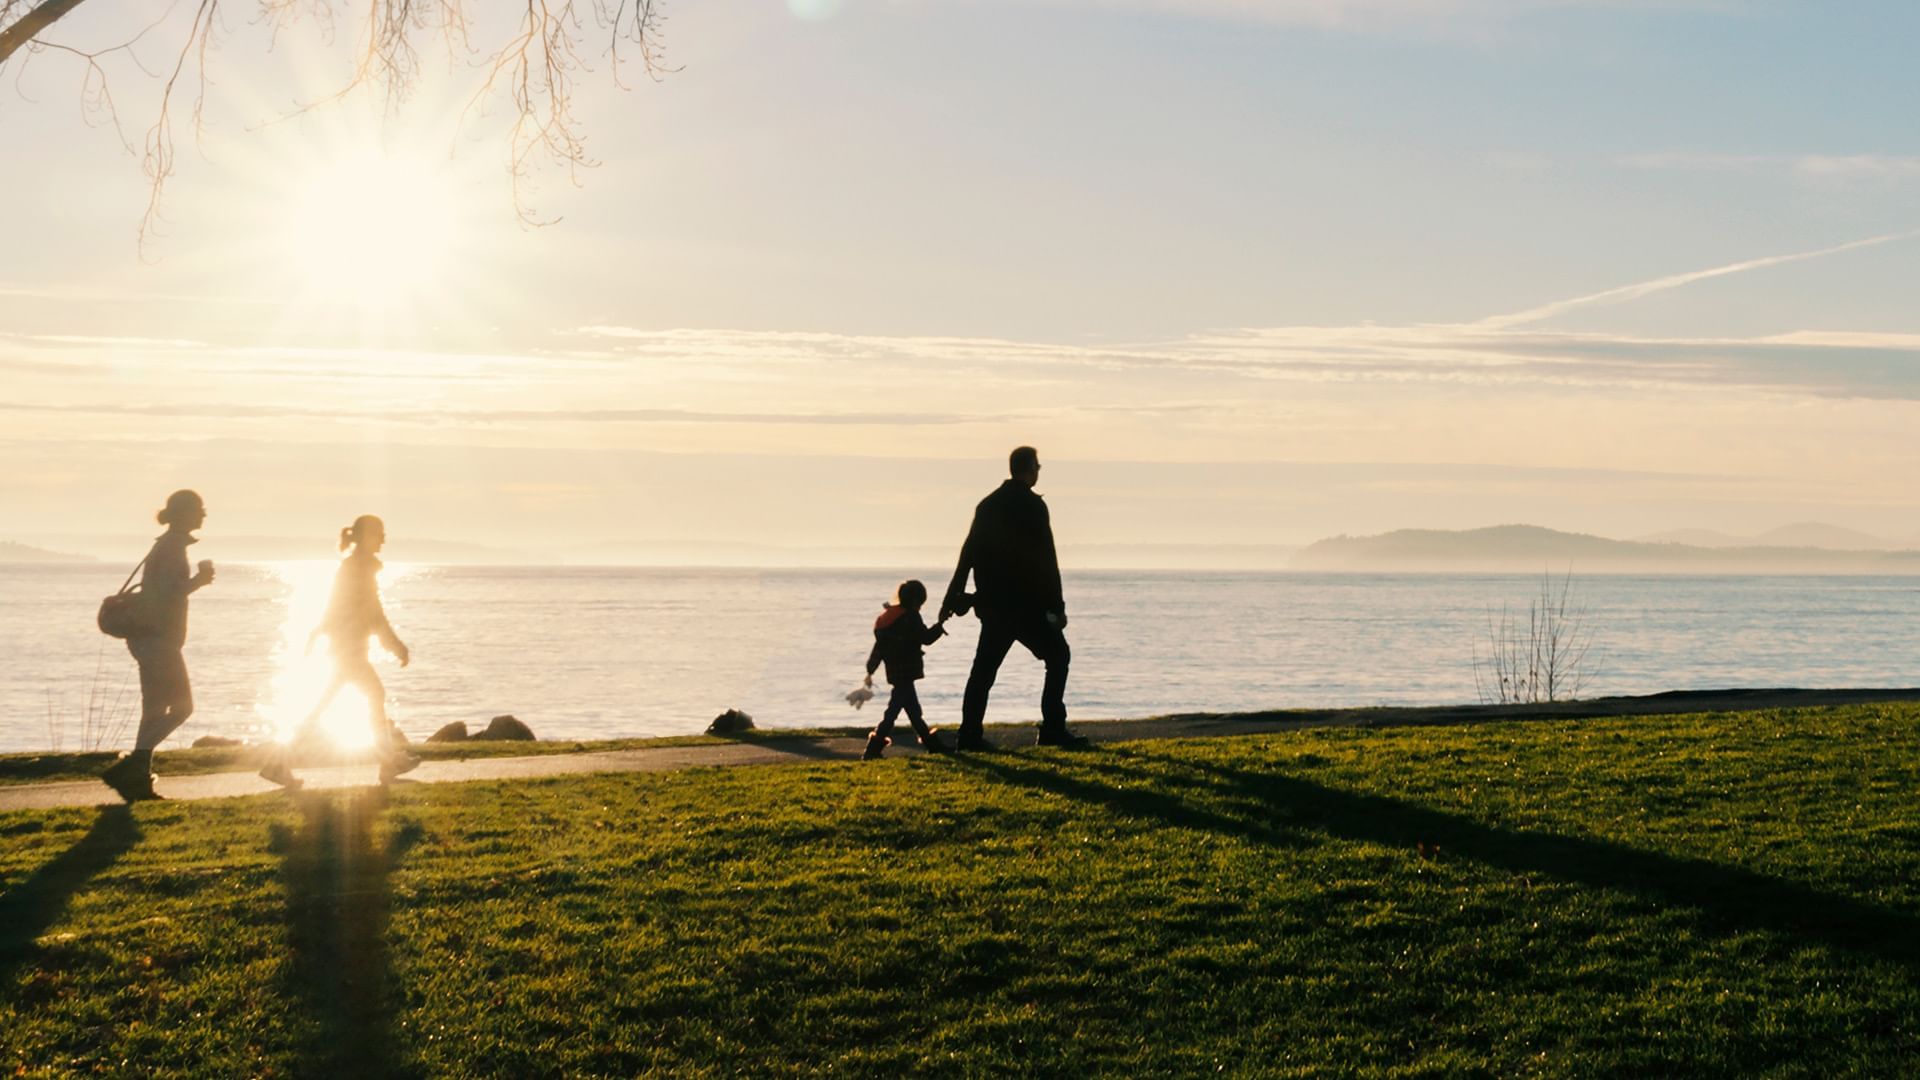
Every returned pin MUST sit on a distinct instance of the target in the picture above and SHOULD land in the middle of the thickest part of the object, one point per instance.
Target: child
(898, 635)
(354, 614)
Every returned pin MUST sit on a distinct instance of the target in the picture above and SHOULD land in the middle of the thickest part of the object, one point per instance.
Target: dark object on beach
(507, 728)
(454, 732)
(731, 722)
(205, 741)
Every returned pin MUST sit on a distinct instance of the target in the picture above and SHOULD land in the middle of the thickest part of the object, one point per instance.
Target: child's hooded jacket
(898, 636)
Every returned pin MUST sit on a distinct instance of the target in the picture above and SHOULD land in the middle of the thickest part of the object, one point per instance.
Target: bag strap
(127, 584)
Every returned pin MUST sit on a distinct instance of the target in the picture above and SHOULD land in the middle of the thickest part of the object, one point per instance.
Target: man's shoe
(278, 773)
(1062, 739)
(397, 763)
(973, 744)
(129, 781)
(876, 745)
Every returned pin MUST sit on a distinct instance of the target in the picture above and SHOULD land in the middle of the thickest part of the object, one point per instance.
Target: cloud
(1673, 281)
(1496, 353)
(1845, 167)
(1857, 165)
(617, 385)
(497, 416)
(83, 296)
(1373, 14)
(121, 342)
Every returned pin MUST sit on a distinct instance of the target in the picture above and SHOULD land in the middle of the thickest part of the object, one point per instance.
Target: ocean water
(607, 652)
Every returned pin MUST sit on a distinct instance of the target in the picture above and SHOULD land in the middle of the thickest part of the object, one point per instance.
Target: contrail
(1634, 292)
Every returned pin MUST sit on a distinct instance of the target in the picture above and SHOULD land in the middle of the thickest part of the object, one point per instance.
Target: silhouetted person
(354, 614)
(1016, 578)
(899, 635)
(166, 695)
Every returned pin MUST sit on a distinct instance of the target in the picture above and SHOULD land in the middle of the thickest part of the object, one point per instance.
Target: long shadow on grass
(29, 908)
(797, 745)
(1270, 807)
(335, 869)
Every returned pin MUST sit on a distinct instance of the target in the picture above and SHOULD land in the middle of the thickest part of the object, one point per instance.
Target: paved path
(777, 751)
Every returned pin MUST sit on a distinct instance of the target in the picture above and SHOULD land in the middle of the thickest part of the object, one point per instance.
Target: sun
(372, 229)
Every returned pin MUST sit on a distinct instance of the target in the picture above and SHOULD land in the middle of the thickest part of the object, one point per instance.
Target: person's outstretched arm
(376, 616)
(388, 638)
(958, 586)
(931, 634)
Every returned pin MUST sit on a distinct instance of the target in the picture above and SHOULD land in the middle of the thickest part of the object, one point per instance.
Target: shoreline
(46, 781)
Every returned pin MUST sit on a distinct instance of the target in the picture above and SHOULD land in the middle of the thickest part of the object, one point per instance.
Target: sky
(1247, 272)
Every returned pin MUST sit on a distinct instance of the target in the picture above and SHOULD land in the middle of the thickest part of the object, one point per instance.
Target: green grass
(1716, 895)
(69, 766)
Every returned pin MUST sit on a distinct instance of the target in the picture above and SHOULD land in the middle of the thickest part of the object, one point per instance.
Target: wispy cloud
(131, 296)
(127, 342)
(1674, 281)
(474, 417)
(1490, 354)
(1372, 14)
(1806, 166)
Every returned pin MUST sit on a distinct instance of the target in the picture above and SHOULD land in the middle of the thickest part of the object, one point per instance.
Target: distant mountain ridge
(1804, 534)
(11, 552)
(1531, 548)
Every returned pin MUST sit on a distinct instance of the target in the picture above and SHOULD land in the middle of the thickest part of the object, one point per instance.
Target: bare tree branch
(535, 69)
(29, 24)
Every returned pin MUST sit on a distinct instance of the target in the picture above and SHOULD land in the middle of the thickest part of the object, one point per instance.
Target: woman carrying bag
(156, 637)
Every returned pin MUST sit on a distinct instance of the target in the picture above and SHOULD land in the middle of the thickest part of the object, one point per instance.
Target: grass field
(1732, 894)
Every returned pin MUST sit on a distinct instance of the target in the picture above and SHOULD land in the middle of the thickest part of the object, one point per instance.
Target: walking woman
(166, 696)
(354, 614)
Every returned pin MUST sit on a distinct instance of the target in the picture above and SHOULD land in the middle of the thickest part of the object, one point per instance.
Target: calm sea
(603, 652)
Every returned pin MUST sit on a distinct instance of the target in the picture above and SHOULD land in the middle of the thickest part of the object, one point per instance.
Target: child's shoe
(876, 745)
(396, 763)
(278, 773)
(933, 744)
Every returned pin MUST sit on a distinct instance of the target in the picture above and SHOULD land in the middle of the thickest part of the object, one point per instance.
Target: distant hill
(1805, 534)
(1816, 535)
(1706, 538)
(1530, 548)
(1176, 556)
(11, 552)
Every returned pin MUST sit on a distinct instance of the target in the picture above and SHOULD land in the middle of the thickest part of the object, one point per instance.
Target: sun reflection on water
(303, 665)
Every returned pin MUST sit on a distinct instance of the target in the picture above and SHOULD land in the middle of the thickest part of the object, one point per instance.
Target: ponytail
(357, 532)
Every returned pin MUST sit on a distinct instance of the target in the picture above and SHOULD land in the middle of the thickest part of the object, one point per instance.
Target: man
(1016, 577)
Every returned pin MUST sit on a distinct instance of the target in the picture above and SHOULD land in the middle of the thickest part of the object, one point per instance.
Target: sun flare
(302, 670)
(372, 229)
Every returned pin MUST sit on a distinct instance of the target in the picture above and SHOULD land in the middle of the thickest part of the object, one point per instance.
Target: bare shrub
(1541, 656)
(104, 715)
